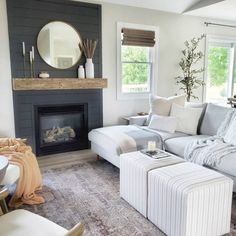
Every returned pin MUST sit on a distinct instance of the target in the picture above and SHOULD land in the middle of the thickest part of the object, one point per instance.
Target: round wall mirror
(58, 45)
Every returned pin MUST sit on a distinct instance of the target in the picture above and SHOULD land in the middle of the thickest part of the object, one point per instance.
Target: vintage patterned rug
(89, 192)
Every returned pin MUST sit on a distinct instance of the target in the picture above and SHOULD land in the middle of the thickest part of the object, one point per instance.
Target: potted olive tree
(189, 81)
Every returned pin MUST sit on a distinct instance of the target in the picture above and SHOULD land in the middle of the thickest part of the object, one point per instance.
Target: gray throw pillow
(213, 118)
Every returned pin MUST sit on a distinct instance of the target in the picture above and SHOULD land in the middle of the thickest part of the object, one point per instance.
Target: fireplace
(61, 128)
(29, 104)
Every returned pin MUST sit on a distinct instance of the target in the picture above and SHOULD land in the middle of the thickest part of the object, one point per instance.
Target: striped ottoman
(189, 200)
(134, 168)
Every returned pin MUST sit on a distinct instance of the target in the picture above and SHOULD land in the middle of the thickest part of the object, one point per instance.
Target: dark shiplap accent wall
(26, 100)
(25, 20)
(27, 17)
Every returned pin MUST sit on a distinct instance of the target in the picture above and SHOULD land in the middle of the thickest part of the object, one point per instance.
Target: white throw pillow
(187, 118)
(163, 123)
(161, 106)
(230, 136)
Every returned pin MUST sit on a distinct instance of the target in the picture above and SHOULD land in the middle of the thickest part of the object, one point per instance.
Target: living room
(109, 94)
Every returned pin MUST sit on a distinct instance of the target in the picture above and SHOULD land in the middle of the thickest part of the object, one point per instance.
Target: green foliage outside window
(217, 65)
(135, 69)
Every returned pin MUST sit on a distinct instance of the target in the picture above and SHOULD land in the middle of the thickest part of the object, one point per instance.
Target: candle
(32, 53)
(151, 146)
(31, 57)
(23, 48)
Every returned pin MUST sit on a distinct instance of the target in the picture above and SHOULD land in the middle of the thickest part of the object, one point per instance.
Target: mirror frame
(77, 32)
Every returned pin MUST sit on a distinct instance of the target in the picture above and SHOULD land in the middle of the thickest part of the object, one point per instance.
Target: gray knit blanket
(212, 150)
(125, 138)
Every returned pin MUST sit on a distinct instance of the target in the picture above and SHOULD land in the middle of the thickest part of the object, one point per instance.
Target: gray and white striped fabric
(189, 200)
(134, 168)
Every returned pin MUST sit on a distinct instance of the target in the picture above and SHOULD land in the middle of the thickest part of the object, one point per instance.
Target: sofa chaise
(209, 122)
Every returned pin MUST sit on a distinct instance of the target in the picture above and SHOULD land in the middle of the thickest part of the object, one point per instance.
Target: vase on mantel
(81, 74)
(89, 68)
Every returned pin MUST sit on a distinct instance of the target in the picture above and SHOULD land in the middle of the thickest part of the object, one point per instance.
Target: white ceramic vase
(89, 68)
(81, 74)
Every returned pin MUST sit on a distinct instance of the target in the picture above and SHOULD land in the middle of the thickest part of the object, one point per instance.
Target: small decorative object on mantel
(81, 74)
(232, 101)
(88, 47)
(189, 81)
(33, 59)
(31, 54)
(23, 54)
(89, 68)
(44, 74)
(31, 62)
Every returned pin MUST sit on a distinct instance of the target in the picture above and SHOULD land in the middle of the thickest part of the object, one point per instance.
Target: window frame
(219, 40)
(153, 69)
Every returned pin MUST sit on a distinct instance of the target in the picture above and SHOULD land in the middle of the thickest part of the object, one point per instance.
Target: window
(221, 68)
(136, 69)
(136, 55)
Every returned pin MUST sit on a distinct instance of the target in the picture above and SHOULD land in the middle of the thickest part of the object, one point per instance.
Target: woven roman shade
(134, 37)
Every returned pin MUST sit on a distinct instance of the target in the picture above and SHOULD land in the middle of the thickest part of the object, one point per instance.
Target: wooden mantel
(57, 83)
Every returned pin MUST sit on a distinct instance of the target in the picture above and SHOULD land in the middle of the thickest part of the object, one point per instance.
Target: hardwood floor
(64, 159)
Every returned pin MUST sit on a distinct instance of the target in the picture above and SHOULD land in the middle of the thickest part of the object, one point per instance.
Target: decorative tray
(156, 154)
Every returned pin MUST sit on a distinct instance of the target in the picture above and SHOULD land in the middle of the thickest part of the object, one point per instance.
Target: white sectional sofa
(208, 126)
(212, 117)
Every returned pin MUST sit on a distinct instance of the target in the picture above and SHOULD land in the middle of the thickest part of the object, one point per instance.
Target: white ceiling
(177, 6)
(215, 9)
(225, 10)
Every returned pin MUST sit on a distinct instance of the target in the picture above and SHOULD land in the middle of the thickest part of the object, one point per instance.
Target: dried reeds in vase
(88, 47)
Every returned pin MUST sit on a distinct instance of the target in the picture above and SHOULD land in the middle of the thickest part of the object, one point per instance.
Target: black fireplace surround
(68, 114)
(61, 128)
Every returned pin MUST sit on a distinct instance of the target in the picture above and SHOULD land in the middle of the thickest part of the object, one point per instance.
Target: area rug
(89, 193)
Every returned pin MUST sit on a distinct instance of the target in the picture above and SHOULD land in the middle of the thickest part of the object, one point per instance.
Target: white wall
(173, 29)
(6, 102)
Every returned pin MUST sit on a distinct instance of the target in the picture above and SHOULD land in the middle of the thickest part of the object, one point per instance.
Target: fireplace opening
(61, 128)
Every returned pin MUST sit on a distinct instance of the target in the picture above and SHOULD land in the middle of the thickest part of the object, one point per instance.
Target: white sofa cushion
(188, 118)
(163, 123)
(165, 135)
(177, 145)
(197, 105)
(162, 106)
(227, 164)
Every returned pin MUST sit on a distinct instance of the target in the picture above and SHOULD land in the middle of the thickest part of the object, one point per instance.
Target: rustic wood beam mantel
(58, 83)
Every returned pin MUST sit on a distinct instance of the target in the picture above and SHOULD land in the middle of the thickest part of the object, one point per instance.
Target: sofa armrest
(138, 120)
